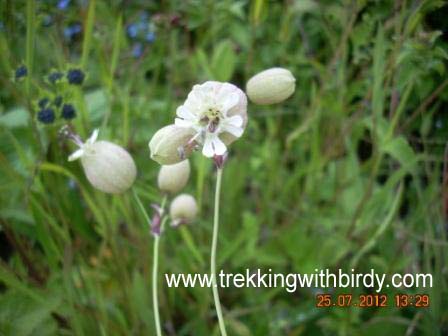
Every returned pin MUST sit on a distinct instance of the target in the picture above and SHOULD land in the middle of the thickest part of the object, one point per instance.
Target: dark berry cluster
(48, 108)
(21, 72)
(75, 76)
(46, 115)
(55, 76)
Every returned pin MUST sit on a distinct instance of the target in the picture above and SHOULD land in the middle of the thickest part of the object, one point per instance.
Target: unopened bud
(107, 166)
(170, 144)
(173, 178)
(183, 209)
(271, 86)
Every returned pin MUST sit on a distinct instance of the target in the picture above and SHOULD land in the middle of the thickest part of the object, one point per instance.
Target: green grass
(348, 171)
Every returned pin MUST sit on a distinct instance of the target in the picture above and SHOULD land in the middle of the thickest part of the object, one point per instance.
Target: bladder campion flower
(217, 113)
(108, 167)
(173, 178)
(271, 86)
(170, 144)
(183, 209)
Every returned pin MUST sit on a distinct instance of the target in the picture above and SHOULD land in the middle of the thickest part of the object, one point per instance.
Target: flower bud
(107, 166)
(170, 144)
(183, 209)
(172, 178)
(271, 86)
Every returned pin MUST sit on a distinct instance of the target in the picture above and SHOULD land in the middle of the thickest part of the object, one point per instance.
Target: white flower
(108, 167)
(169, 145)
(84, 147)
(183, 209)
(271, 86)
(217, 112)
(173, 178)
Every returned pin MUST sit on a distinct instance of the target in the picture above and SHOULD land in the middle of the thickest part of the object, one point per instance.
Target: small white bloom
(173, 178)
(170, 144)
(217, 112)
(183, 209)
(84, 147)
(108, 167)
(271, 86)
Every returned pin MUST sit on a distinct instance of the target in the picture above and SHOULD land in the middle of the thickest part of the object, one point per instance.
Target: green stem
(155, 299)
(222, 326)
(141, 206)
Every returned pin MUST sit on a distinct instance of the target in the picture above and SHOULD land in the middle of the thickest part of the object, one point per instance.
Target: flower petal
(183, 123)
(93, 137)
(235, 131)
(184, 113)
(219, 146)
(213, 146)
(207, 150)
(228, 101)
(76, 155)
(236, 121)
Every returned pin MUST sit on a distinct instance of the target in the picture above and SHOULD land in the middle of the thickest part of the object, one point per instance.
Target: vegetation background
(347, 172)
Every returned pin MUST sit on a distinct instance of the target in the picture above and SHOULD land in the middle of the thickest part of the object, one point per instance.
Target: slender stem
(222, 326)
(141, 206)
(155, 267)
(155, 299)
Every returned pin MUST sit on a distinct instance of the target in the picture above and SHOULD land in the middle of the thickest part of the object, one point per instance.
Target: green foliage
(347, 172)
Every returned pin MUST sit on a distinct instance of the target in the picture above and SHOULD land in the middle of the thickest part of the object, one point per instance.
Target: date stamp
(372, 300)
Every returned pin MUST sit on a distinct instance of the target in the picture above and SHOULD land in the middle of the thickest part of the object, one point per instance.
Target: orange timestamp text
(372, 300)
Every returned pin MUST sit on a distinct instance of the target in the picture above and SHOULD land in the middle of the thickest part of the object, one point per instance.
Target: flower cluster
(56, 100)
(141, 33)
(49, 107)
(212, 117)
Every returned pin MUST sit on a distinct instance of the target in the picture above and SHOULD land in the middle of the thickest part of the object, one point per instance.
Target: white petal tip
(76, 155)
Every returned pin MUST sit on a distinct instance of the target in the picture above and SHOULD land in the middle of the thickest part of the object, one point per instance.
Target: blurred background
(347, 172)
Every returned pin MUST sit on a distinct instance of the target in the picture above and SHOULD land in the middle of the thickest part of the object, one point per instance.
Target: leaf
(223, 61)
(202, 60)
(400, 150)
(97, 104)
(17, 117)
(379, 62)
(21, 316)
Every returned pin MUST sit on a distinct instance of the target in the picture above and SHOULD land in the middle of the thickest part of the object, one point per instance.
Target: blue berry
(63, 4)
(55, 76)
(144, 16)
(137, 50)
(132, 30)
(46, 116)
(75, 76)
(150, 37)
(21, 72)
(71, 31)
(68, 111)
(57, 101)
(43, 102)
